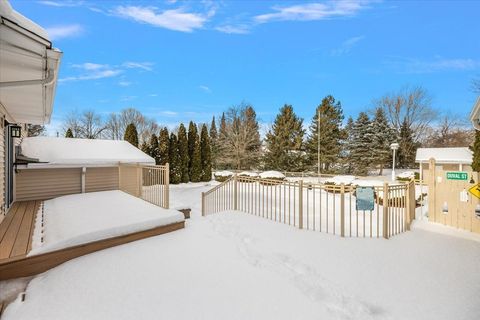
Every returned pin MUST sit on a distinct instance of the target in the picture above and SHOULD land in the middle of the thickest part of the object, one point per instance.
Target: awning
(29, 68)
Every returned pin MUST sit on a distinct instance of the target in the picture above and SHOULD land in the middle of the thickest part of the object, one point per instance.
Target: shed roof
(82, 152)
(445, 155)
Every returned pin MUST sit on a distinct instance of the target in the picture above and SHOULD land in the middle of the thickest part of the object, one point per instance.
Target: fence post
(300, 204)
(203, 204)
(167, 185)
(235, 192)
(408, 201)
(385, 210)
(342, 210)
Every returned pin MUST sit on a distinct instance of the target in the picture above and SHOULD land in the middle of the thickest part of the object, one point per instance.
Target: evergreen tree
(131, 135)
(384, 136)
(331, 134)
(196, 161)
(205, 155)
(183, 151)
(153, 148)
(285, 141)
(476, 152)
(145, 147)
(192, 138)
(408, 147)
(214, 142)
(347, 142)
(175, 161)
(361, 151)
(163, 147)
(69, 133)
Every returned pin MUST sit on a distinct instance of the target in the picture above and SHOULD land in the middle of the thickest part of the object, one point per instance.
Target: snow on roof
(89, 152)
(445, 155)
(7, 12)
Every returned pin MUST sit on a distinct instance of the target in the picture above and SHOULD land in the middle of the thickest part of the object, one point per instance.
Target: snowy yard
(237, 266)
(81, 218)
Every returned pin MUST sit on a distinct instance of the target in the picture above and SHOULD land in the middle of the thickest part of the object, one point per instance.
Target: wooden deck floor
(16, 231)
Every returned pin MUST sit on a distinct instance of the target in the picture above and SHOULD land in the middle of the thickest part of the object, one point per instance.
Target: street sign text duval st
(457, 175)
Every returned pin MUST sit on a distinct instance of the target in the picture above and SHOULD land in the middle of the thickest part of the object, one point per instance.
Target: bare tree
(72, 122)
(239, 139)
(451, 131)
(113, 127)
(117, 123)
(412, 105)
(87, 125)
(34, 130)
(476, 85)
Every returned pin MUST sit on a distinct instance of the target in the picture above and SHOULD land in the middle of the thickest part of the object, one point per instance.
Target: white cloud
(437, 64)
(169, 113)
(174, 19)
(231, 29)
(205, 88)
(66, 31)
(147, 66)
(93, 71)
(313, 11)
(347, 46)
(124, 83)
(64, 3)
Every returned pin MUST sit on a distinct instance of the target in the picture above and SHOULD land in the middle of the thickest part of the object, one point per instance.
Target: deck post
(203, 204)
(235, 192)
(167, 186)
(385, 210)
(84, 171)
(342, 210)
(300, 204)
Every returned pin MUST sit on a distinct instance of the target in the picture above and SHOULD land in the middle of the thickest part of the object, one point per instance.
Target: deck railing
(148, 182)
(320, 207)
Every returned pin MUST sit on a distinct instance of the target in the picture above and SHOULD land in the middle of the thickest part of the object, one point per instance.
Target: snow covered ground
(81, 218)
(238, 266)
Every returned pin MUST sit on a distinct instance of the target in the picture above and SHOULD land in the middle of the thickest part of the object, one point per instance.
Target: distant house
(454, 159)
(48, 167)
(475, 114)
(28, 75)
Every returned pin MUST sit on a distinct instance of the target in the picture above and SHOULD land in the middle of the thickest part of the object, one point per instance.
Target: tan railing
(320, 207)
(150, 183)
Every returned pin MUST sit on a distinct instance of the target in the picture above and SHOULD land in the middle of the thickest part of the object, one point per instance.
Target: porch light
(15, 131)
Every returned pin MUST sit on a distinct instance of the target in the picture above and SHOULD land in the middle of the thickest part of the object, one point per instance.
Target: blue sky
(182, 60)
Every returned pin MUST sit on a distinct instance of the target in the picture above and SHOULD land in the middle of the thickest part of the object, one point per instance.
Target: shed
(48, 167)
(455, 159)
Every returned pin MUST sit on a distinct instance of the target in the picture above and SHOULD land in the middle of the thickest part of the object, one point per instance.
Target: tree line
(329, 143)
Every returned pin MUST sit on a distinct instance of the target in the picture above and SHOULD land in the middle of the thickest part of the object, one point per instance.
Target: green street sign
(457, 176)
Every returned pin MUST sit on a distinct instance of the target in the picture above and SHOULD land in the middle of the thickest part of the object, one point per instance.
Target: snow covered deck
(36, 237)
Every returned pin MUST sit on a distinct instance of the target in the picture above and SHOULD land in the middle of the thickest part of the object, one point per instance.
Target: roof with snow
(84, 152)
(445, 155)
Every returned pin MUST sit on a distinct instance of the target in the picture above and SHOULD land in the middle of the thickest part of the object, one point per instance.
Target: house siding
(37, 184)
(101, 179)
